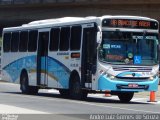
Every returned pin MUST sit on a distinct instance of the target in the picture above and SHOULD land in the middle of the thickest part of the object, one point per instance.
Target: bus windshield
(129, 48)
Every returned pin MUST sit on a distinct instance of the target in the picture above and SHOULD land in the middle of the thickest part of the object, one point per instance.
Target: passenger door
(89, 55)
(42, 57)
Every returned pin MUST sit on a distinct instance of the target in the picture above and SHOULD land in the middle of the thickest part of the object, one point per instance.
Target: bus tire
(64, 92)
(33, 90)
(84, 94)
(125, 96)
(76, 91)
(24, 86)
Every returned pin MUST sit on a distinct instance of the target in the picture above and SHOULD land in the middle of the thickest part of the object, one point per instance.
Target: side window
(64, 39)
(23, 41)
(75, 41)
(14, 41)
(32, 43)
(54, 39)
(6, 42)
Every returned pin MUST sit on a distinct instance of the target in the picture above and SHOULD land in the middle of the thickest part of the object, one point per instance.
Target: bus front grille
(133, 69)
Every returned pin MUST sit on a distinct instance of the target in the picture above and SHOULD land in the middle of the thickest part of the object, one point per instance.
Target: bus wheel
(84, 95)
(64, 92)
(76, 91)
(125, 96)
(75, 88)
(33, 90)
(25, 88)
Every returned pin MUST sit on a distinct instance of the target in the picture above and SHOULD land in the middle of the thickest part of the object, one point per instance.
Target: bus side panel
(5, 61)
(10, 67)
(58, 74)
(14, 69)
(30, 65)
(51, 73)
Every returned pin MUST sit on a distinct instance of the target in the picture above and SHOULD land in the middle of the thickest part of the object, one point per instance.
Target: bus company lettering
(128, 23)
(63, 53)
(116, 46)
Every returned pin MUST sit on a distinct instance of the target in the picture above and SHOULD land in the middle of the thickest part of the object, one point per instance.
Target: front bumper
(105, 83)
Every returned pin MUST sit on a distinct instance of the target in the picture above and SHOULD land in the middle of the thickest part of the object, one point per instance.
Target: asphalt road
(52, 106)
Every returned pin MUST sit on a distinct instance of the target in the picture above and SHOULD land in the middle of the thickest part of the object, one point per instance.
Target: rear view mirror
(99, 37)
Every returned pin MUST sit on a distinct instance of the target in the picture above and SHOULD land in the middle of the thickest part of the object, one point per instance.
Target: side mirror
(158, 51)
(99, 37)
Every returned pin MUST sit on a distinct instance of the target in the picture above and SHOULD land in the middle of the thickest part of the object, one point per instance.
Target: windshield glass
(129, 48)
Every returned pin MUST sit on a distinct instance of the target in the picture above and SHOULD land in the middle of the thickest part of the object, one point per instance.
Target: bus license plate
(133, 85)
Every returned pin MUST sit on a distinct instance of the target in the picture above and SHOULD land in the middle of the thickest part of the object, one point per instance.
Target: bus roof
(54, 22)
(72, 20)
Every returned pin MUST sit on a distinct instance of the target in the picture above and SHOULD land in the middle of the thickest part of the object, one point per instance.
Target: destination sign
(129, 23)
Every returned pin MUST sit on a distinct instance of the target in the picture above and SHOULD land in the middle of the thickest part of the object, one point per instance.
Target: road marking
(81, 102)
(8, 109)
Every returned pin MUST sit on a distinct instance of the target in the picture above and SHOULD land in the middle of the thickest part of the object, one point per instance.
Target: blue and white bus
(81, 55)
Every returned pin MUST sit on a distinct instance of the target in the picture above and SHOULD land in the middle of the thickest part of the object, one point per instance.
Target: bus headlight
(152, 77)
(110, 76)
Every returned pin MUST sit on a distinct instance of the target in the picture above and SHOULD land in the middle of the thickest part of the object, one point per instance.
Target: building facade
(17, 12)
